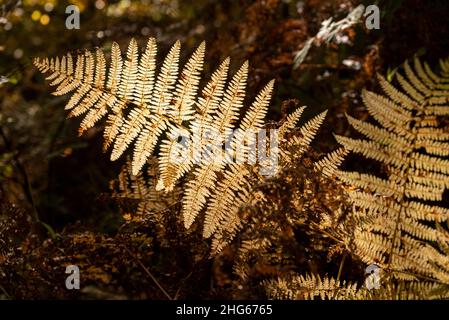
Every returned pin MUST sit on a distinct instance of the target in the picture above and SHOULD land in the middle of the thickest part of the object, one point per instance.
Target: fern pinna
(311, 286)
(144, 106)
(404, 228)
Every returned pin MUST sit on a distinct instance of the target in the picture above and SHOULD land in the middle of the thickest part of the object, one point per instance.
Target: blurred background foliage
(62, 180)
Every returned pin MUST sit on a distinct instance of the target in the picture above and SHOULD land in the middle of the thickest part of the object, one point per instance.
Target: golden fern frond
(187, 87)
(115, 72)
(387, 113)
(201, 126)
(430, 73)
(408, 87)
(206, 174)
(129, 84)
(253, 120)
(309, 287)
(416, 82)
(379, 135)
(139, 191)
(330, 163)
(141, 97)
(160, 108)
(146, 108)
(213, 91)
(173, 164)
(290, 122)
(237, 189)
(429, 79)
(406, 290)
(309, 130)
(396, 95)
(234, 182)
(374, 150)
(175, 158)
(410, 143)
(298, 144)
(444, 66)
(221, 205)
(198, 190)
(130, 69)
(231, 223)
(232, 102)
(207, 105)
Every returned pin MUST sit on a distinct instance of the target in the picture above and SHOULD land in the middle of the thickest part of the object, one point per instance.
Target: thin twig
(26, 182)
(340, 269)
(317, 226)
(149, 274)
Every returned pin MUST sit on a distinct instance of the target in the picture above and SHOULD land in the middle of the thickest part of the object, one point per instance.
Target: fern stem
(340, 269)
(149, 274)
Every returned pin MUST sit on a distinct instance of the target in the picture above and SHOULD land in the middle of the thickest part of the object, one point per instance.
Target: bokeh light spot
(45, 19)
(36, 15)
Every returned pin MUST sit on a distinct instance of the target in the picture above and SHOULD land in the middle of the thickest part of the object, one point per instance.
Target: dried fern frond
(310, 287)
(238, 188)
(146, 106)
(406, 290)
(403, 235)
(294, 221)
(139, 191)
(139, 103)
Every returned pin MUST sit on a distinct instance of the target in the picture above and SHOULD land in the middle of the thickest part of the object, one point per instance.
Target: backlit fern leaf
(238, 188)
(148, 107)
(404, 237)
(139, 190)
(130, 86)
(309, 287)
